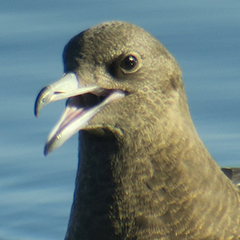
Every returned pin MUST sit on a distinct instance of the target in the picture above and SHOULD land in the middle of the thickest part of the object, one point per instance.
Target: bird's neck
(122, 184)
(115, 176)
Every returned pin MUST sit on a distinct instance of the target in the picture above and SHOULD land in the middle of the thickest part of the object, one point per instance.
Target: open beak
(84, 102)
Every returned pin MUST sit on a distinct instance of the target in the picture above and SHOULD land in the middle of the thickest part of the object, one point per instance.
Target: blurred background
(204, 37)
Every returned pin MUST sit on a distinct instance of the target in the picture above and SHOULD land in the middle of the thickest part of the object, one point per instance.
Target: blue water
(204, 37)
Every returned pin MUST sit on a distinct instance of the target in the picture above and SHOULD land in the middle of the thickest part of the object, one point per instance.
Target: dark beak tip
(45, 151)
(35, 110)
(39, 104)
(48, 148)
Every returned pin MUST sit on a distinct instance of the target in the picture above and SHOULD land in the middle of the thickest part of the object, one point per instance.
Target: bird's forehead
(102, 44)
(108, 40)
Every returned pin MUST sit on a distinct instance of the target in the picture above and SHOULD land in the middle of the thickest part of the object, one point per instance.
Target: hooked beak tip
(47, 150)
(42, 100)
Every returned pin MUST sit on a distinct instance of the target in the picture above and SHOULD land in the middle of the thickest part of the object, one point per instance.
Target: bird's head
(114, 75)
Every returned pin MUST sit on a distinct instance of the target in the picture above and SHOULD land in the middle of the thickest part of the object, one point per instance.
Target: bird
(143, 172)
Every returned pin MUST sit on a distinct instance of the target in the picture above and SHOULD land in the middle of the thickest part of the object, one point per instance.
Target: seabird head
(108, 69)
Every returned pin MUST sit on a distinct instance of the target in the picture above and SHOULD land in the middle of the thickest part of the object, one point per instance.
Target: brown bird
(143, 171)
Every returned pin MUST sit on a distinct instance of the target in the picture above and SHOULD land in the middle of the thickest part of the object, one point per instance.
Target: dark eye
(129, 63)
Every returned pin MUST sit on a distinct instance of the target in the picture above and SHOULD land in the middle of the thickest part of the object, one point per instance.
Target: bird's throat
(107, 187)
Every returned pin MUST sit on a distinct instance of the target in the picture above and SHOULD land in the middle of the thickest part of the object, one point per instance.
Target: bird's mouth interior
(85, 106)
(78, 112)
(88, 100)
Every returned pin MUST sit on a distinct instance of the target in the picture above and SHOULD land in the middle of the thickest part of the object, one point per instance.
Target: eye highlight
(129, 64)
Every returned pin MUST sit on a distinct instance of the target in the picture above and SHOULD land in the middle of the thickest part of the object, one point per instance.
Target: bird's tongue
(76, 117)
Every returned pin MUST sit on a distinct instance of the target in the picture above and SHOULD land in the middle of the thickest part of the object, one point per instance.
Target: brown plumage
(144, 173)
